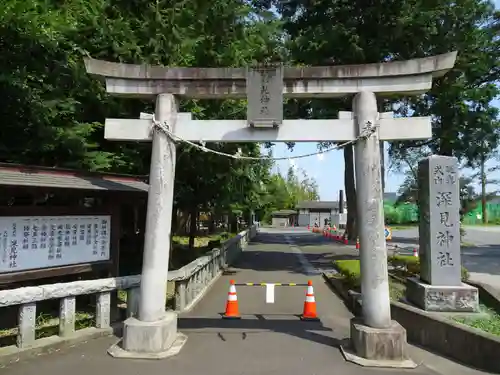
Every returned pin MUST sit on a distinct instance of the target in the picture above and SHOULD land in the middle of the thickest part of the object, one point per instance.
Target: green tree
(285, 192)
(53, 110)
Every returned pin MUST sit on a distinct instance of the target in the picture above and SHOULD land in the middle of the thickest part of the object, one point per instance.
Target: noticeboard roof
(34, 176)
(284, 213)
(320, 205)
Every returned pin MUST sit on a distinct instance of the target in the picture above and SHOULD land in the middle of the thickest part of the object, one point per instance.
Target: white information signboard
(32, 242)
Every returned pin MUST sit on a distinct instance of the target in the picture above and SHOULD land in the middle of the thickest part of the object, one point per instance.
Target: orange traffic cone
(357, 243)
(309, 304)
(346, 241)
(415, 252)
(232, 311)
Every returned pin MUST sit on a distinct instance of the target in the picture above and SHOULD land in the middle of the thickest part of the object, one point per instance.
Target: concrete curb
(435, 332)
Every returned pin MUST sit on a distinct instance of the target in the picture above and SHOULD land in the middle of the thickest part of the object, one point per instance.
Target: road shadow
(482, 259)
(274, 261)
(286, 259)
(254, 323)
(405, 240)
(282, 238)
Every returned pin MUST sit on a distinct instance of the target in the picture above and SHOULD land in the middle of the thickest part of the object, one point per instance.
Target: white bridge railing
(191, 281)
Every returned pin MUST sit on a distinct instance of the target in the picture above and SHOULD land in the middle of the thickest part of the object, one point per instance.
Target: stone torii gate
(153, 334)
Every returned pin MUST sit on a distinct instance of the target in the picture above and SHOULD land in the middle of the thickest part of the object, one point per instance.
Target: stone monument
(440, 286)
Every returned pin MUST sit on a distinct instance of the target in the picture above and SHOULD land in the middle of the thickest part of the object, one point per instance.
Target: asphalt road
(479, 236)
(481, 256)
(270, 339)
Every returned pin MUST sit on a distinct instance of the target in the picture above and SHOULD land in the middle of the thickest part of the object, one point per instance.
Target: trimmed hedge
(410, 266)
(350, 270)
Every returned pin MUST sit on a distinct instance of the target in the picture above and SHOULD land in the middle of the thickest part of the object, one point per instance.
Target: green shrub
(350, 270)
(412, 265)
(408, 262)
(224, 235)
(392, 215)
(465, 274)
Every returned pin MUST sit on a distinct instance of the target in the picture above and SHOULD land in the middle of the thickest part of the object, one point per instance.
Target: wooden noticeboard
(34, 242)
(44, 244)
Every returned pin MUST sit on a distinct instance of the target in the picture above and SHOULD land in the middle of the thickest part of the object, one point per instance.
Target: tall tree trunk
(445, 146)
(192, 225)
(350, 192)
(211, 223)
(175, 220)
(182, 222)
(233, 223)
(483, 191)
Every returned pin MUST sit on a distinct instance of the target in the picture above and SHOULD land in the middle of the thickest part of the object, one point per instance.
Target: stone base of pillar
(461, 298)
(377, 347)
(149, 340)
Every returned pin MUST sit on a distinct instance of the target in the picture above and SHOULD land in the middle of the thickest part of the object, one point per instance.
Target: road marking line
(306, 265)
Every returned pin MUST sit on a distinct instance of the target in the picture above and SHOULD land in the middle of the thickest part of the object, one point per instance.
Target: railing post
(103, 310)
(27, 325)
(67, 313)
(133, 295)
(180, 295)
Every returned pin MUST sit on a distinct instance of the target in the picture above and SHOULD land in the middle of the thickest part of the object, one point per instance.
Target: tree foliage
(281, 192)
(53, 111)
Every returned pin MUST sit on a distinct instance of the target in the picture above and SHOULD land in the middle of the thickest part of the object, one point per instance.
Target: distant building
(310, 212)
(390, 197)
(283, 218)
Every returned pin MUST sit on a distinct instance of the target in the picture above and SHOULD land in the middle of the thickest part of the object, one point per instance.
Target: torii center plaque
(265, 96)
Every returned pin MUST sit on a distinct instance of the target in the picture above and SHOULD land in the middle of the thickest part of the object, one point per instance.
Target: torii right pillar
(376, 339)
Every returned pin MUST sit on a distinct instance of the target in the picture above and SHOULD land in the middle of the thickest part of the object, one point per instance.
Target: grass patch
(122, 294)
(397, 289)
(203, 241)
(183, 255)
(404, 266)
(350, 275)
(402, 226)
(467, 244)
(47, 325)
(409, 266)
(489, 324)
(349, 270)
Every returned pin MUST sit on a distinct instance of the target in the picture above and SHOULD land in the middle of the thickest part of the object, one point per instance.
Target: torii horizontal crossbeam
(410, 77)
(339, 130)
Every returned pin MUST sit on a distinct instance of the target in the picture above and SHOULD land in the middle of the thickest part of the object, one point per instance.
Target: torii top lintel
(409, 77)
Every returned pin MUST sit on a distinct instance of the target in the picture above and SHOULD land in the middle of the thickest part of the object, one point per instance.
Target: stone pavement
(269, 339)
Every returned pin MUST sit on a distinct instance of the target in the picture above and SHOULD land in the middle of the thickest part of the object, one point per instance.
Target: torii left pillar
(153, 334)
